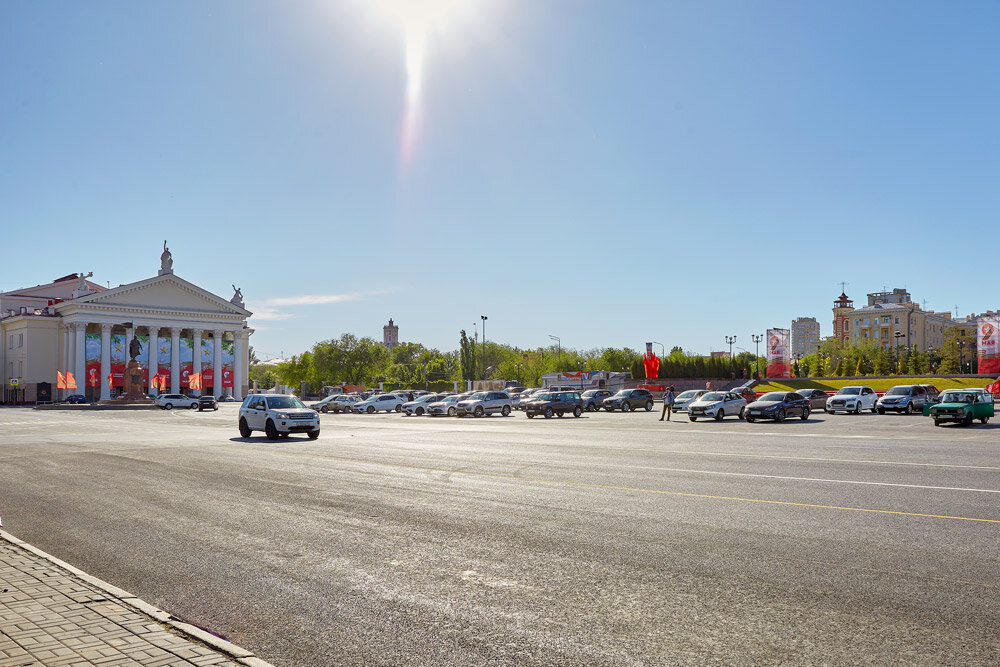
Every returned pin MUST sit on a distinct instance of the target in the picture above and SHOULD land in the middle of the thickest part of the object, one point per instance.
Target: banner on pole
(988, 344)
(779, 361)
(651, 362)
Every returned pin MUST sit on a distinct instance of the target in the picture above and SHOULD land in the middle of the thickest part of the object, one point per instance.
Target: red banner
(227, 377)
(117, 375)
(207, 377)
(651, 362)
(93, 374)
(186, 370)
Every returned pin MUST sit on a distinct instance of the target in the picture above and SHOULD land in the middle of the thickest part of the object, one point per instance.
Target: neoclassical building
(74, 325)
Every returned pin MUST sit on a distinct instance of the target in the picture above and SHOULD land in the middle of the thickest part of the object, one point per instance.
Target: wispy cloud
(266, 313)
(310, 299)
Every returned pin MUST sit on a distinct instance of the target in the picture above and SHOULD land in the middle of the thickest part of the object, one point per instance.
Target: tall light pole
(663, 350)
(484, 318)
(961, 356)
(731, 340)
(756, 338)
(558, 341)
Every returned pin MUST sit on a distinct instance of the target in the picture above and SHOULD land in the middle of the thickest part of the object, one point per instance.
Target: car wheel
(857, 408)
(193, 406)
(873, 409)
(743, 413)
(751, 420)
(168, 406)
(451, 411)
(420, 411)
(505, 410)
(270, 431)
(478, 412)
(591, 407)
(577, 412)
(313, 434)
(626, 407)
(937, 422)
(719, 414)
(909, 409)
(370, 410)
(984, 419)
(548, 413)
(967, 421)
(325, 409)
(283, 435)
(244, 429)
(692, 418)
(560, 413)
(398, 408)
(779, 416)
(805, 414)
(881, 411)
(530, 416)
(649, 406)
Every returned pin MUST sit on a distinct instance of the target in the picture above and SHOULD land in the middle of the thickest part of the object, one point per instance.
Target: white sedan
(717, 405)
(387, 402)
(852, 399)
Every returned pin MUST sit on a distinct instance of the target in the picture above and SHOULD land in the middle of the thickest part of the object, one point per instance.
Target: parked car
(340, 403)
(852, 399)
(446, 406)
(564, 387)
(207, 403)
(484, 403)
(171, 401)
(817, 398)
(908, 398)
(278, 416)
(325, 402)
(717, 405)
(227, 399)
(594, 398)
(418, 406)
(962, 406)
(629, 399)
(778, 405)
(76, 398)
(931, 393)
(682, 399)
(525, 395)
(378, 403)
(548, 403)
(746, 393)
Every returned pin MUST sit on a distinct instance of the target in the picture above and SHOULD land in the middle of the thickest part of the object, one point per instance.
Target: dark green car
(961, 405)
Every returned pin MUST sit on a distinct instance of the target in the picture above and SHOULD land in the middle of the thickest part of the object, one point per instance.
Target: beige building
(805, 336)
(74, 326)
(892, 318)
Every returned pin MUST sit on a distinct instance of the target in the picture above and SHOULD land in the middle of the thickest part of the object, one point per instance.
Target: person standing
(668, 403)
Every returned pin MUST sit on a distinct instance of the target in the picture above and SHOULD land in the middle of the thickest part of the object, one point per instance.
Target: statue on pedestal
(237, 299)
(134, 348)
(166, 260)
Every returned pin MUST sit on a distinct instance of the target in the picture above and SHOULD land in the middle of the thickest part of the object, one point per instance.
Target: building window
(897, 319)
(20, 340)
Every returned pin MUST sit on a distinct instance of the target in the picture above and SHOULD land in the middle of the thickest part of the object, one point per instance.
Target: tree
(467, 354)
(883, 362)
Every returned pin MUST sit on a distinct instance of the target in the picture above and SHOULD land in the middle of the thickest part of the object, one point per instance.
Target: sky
(606, 172)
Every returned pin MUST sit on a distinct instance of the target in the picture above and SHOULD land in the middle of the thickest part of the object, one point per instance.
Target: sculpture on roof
(82, 285)
(237, 299)
(166, 260)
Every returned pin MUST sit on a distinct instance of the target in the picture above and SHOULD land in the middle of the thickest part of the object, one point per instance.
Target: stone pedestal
(133, 386)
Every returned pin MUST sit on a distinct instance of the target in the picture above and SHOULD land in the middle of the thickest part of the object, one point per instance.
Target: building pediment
(166, 293)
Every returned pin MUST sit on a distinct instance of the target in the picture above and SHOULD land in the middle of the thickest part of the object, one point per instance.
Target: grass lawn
(878, 384)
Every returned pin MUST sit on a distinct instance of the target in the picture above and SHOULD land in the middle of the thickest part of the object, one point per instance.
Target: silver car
(484, 403)
(717, 405)
(445, 406)
(682, 400)
(908, 398)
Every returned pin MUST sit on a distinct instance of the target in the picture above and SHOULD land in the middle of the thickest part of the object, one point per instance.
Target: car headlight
(282, 415)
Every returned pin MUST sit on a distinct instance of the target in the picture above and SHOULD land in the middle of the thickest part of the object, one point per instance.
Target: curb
(237, 653)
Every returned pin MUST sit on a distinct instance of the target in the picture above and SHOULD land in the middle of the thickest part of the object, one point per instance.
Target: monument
(133, 379)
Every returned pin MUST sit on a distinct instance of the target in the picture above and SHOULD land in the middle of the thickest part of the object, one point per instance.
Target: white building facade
(73, 326)
(805, 336)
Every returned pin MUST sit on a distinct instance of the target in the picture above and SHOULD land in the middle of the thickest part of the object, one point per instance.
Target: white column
(105, 361)
(175, 360)
(80, 356)
(67, 357)
(152, 357)
(196, 357)
(217, 363)
(238, 365)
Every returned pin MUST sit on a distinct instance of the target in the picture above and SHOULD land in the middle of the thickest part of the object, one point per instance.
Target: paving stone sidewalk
(52, 615)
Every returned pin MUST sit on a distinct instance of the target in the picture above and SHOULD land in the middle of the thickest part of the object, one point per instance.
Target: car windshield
(958, 397)
(478, 396)
(428, 398)
(772, 397)
(283, 402)
(623, 392)
(898, 391)
(850, 391)
(589, 393)
(711, 396)
(690, 393)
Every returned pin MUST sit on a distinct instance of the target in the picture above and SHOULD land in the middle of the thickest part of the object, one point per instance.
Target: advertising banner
(93, 357)
(187, 360)
(163, 363)
(118, 346)
(651, 362)
(988, 344)
(779, 361)
(227, 363)
(208, 363)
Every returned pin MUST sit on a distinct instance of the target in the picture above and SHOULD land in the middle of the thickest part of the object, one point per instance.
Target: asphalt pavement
(613, 539)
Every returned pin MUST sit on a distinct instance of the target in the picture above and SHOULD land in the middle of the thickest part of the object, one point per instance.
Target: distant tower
(390, 335)
(842, 308)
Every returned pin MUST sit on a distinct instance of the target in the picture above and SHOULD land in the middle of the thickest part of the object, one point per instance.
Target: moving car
(962, 406)
(484, 403)
(378, 403)
(548, 403)
(717, 405)
(277, 415)
(682, 399)
(852, 399)
(207, 403)
(908, 398)
(778, 405)
(418, 406)
(594, 398)
(629, 399)
(446, 406)
(171, 401)
(817, 398)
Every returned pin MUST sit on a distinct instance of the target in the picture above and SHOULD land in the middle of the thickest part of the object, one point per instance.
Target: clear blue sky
(608, 172)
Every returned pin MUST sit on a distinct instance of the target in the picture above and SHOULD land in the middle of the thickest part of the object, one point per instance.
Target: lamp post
(484, 318)
(897, 336)
(731, 340)
(961, 356)
(757, 338)
(797, 356)
(517, 369)
(663, 350)
(579, 366)
(558, 341)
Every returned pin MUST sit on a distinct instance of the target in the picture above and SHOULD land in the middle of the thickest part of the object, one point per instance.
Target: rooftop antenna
(956, 311)
(843, 287)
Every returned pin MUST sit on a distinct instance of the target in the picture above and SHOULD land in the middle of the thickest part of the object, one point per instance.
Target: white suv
(484, 403)
(171, 401)
(277, 415)
(852, 399)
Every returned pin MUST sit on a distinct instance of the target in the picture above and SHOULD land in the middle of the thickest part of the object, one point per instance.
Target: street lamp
(663, 350)
(757, 338)
(731, 340)
(558, 341)
(484, 318)
(961, 356)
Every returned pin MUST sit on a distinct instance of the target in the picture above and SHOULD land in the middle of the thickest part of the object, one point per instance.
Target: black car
(207, 403)
(550, 403)
(594, 398)
(778, 405)
(629, 399)
(76, 398)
